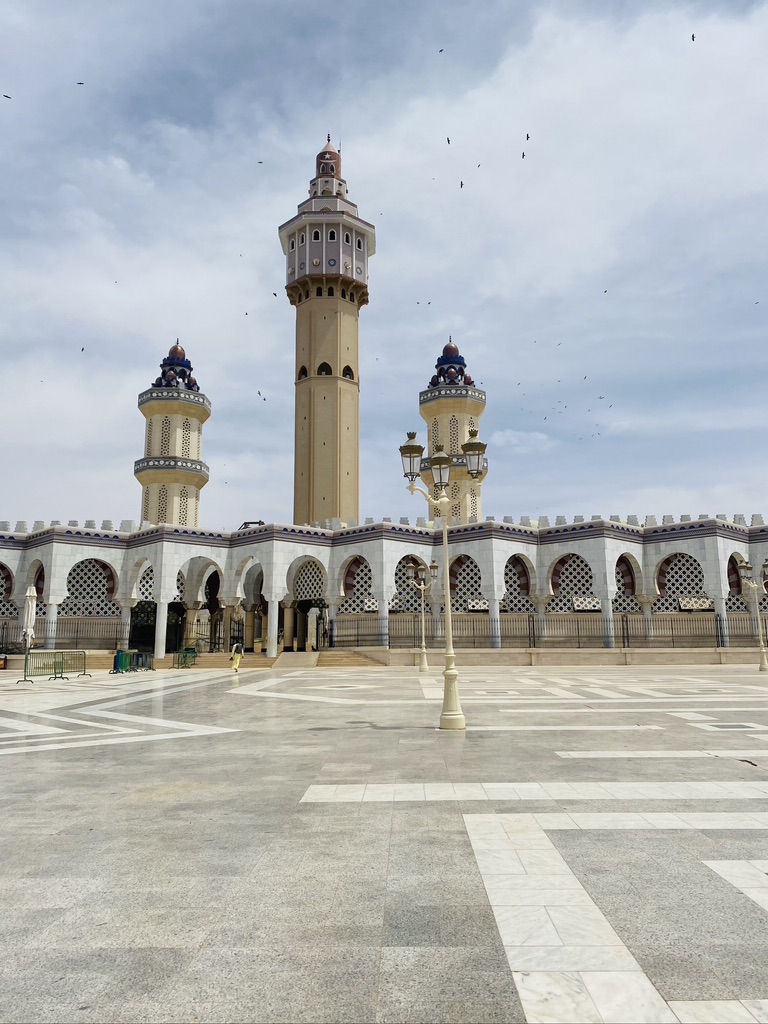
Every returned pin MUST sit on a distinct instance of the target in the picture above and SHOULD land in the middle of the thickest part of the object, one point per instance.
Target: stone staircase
(221, 660)
(338, 658)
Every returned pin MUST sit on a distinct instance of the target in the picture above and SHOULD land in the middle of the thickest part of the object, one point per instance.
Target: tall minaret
(451, 406)
(171, 473)
(327, 246)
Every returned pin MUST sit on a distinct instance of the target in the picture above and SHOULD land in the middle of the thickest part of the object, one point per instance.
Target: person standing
(237, 653)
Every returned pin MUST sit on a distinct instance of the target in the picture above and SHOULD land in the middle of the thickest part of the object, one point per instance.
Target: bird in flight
(259, 161)
(693, 38)
(275, 294)
(7, 97)
(439, 51)
(80, 83)
(449, 141)
(82, 349)
(523, 154)
(461, 184)
(527, 137)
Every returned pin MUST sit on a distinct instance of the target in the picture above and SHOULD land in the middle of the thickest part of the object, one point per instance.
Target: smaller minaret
(451, 406)
(171, 473)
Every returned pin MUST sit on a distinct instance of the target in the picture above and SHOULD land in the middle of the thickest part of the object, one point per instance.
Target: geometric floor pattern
(593, 848)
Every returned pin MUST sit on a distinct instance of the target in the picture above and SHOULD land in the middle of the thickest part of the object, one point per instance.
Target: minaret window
(293, 244)
(303, 373)
(324, 370)
(343, 293)
(348, 373)
(301, 238)
(359, 243)
(165, 436)
(331, 292)
(315, 236)
(347, 237)
(319, 292)
(331, 236)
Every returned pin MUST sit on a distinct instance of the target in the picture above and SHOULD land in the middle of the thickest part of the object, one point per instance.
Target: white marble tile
(525, 896)
(627, 997)
(530, 791)
(598, 820)
(508, 882)
(761, 864)
(501, 843)
(555, 821)
(469, 791)
(502, 862)
(583, 926)
(379, 793)
(758, 1008)
(543, 862)
(570, 958)
(711, 1011)
(663, 819)
(439, 791)
(318, 794)
(522, 841)
(760, 896)
(409, 791)
(740, 873)
(349, 794)
(526, 926)
(500, 791)
(555, 998)
(723, 820)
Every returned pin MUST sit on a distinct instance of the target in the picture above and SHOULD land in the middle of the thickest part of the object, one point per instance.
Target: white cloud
(523, 443)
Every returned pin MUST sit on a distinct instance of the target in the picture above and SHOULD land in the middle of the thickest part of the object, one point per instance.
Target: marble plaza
(305, 845)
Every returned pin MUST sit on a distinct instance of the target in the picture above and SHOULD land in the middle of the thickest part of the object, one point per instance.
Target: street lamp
(417, 577)
(451, 717)
(748, 581)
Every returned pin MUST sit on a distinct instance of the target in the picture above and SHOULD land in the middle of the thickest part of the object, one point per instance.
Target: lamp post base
(763, 661)
(423, 664)
(451, 717)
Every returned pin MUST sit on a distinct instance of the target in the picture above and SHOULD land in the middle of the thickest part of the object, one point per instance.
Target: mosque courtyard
(305, 845)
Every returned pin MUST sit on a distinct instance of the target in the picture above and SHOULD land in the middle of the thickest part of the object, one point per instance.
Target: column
(646, 603)
(125, 625)
(606, 607)
(288, 623)
(383, 614)
(51, 622)
(494, 622)
(721, 614)
(248, 636)
(272, 628)
(190, 623)
(541, 615)
(161, 626)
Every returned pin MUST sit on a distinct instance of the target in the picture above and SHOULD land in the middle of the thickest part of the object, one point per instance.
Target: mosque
(327, 579)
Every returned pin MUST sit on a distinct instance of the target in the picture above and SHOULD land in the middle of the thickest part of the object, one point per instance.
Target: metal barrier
(132, 661)
(185, 658)
(53, 664)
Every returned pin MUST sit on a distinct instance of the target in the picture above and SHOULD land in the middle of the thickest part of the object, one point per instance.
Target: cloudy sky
(609, 290)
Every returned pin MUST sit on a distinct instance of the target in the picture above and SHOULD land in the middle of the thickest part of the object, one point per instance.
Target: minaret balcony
(161, 468)
(192, 398)
(451, 391)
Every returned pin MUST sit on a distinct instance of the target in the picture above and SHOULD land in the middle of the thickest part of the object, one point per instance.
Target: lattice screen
(147, 585)
(571, 577)
(466, 582)
(453, 434)
(735, 601)
(186, 434)
(165, 436)
(406, 598)
(357, 588)
(473, 503)
(41, 608)
(8, 609)
(434, 434)
(148, 446)
(162, 504)
(679, 576)
(145, 506)
(517, 586)
(310, 582)
(183, 507)
(90, 589)
(625, 600)
(181, 584)
(455, 500)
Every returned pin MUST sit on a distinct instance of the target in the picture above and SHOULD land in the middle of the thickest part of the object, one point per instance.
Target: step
(345, 659)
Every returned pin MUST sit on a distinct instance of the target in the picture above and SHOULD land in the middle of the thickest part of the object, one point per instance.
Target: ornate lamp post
(417, 577)
(749, 581)
(451, 717)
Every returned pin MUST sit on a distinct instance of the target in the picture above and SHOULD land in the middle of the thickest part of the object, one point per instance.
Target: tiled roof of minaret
(451, 368)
